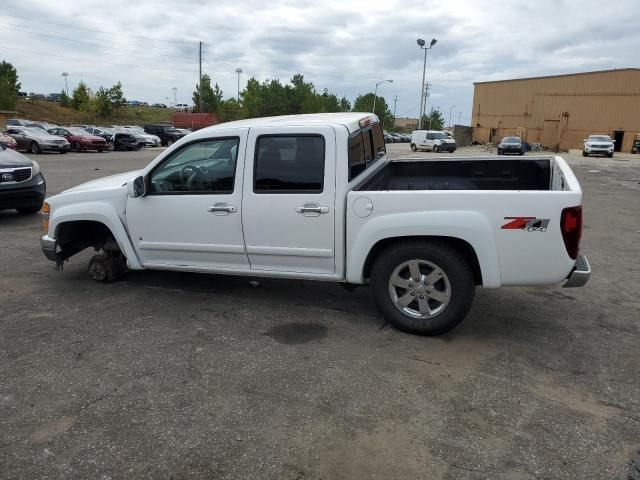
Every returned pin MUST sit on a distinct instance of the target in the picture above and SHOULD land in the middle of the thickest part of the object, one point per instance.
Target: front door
(191, 215)
(289, 200)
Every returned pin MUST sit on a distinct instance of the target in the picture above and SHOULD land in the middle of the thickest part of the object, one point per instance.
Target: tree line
(257, 99)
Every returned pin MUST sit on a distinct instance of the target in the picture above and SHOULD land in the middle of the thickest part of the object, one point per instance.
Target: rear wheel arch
(460, 245)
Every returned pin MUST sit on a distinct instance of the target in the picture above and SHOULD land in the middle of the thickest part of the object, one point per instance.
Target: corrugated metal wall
(597, 102)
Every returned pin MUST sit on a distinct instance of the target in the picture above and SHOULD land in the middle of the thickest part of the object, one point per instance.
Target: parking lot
(176, 375)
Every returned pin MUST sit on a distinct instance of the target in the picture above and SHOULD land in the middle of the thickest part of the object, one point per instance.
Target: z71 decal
(530, 224)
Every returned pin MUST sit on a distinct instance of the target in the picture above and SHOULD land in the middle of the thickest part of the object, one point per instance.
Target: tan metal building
(560, 111)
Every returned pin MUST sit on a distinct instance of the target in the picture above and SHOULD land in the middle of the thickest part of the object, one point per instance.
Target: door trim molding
(191, 247)
(290, 251)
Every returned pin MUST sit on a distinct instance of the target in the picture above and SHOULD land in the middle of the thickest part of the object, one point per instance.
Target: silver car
(36, 140)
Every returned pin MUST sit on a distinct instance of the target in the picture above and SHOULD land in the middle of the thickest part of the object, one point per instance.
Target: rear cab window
(365, 147)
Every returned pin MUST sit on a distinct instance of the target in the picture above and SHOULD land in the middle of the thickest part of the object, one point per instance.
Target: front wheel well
(460, 245)
(73, 237)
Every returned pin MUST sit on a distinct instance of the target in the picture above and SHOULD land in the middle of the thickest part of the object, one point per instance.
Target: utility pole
(175, 96)
(459, 117)
(200, 84)
(395, 101)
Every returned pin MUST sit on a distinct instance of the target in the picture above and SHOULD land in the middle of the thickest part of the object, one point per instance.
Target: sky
(346, 46)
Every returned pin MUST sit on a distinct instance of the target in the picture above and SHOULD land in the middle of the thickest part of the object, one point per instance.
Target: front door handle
(312, 209)
(221, 208)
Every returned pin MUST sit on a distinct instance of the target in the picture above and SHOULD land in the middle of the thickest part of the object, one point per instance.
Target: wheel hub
(420, 289)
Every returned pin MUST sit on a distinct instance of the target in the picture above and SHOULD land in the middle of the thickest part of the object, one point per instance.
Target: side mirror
(135, 187)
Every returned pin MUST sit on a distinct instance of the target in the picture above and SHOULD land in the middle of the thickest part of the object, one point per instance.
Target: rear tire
(436, 149)
(414, 148)
(455, 287)
(75, 146)
(35, 148)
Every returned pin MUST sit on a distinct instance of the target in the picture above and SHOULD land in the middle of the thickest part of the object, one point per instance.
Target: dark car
(22, 186)
(80, 139)
(36, 140)
(168, 134)
(511, 146)
(127, 141)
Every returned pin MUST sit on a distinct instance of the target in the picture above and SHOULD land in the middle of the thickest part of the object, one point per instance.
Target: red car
(80, 139)
(8, 141)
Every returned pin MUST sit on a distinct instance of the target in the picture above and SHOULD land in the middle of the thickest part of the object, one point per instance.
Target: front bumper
(580, 274)
(600, 150)
(23, 194)
(447, 147)
(49, 247)
(55, 147)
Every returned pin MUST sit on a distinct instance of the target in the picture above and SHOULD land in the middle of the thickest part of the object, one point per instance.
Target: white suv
(598, 145)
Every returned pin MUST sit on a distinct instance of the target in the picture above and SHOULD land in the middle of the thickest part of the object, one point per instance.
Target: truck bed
(463, 174)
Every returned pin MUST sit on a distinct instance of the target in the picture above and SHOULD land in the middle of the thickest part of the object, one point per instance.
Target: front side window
(208, 166)
(289, 164)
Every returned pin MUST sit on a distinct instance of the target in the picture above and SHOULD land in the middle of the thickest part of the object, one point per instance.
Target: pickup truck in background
(315, 197)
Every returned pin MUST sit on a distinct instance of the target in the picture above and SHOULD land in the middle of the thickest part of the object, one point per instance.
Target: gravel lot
(170, 375)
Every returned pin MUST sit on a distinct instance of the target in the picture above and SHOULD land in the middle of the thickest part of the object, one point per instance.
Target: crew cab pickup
(315, 197)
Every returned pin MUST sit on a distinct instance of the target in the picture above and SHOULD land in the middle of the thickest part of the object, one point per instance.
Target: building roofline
(560, 75)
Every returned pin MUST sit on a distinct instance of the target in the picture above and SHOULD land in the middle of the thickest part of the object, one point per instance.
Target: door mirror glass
(135, 187)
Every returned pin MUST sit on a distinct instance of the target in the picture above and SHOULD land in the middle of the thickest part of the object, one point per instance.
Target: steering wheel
(190, 174)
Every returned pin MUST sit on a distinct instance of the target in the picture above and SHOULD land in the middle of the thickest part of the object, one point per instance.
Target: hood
(105, 183)
(11, 159)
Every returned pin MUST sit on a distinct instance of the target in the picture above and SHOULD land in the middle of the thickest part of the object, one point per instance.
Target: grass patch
(42, 111)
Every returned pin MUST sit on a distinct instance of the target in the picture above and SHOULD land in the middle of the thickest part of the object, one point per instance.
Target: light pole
(238, 71)
(395, 101)
(175, 96)
(423, 99)
(450, 112)
(65, 75)
(375, 94)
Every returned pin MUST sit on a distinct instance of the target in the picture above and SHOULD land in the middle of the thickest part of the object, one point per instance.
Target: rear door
(289, 199)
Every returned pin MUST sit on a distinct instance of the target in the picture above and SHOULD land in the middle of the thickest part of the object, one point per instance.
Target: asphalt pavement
(189, 376)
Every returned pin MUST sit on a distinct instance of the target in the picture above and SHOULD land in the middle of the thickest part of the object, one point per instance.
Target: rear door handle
(312, 209)
(222, 208)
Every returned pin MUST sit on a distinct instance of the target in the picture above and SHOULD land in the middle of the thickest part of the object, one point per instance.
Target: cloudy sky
(343, 45)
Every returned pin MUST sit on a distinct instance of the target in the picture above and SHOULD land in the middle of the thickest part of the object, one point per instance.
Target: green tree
(102, 102)
(211, 96)
(116, 97)
(364, 103)
(9, 86)
(433, 121)
(81, 96)
(345, 105)
(65, 101)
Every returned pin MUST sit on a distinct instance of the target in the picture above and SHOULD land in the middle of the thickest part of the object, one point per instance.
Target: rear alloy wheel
(414, 148)
(422, 287)
(35, 148)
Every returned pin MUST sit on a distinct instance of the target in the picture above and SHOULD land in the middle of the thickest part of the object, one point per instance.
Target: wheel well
(73, 237)
(461, 245)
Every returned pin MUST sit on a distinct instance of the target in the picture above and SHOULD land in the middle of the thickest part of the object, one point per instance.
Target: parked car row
(37, 137)
(397, 137)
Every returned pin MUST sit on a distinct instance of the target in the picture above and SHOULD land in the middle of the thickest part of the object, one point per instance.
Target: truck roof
(351, 120)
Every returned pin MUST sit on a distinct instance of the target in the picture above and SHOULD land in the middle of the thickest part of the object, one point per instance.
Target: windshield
(137, 129)
(511, 140)
(77, 131)
(599, 138)
(439, 135)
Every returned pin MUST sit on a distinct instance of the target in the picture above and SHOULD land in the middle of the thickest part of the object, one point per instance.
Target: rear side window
(289, 164)
(365, 147)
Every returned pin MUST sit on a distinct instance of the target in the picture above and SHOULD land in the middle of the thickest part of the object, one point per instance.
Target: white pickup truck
(315, 197)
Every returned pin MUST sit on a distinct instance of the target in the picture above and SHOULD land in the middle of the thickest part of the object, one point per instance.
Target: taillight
(571, 228)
